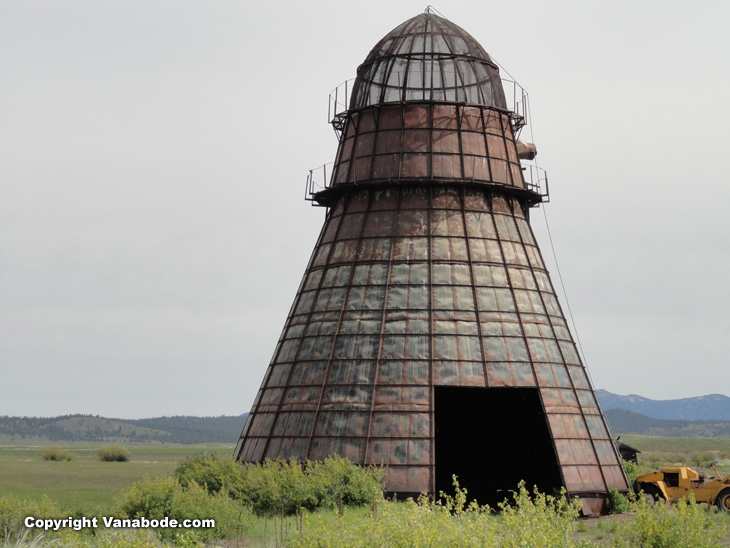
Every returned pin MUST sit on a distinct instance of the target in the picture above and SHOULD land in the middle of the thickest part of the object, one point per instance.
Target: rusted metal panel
(428, 142)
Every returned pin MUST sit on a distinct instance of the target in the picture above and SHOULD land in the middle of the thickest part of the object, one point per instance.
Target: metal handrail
(339, 100)
(320, 178)
(339, 103)
(536, 180)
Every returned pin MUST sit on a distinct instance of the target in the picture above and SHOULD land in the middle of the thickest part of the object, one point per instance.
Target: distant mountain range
(703, 416)
(622, 421)
(184, 430)
(713, 407)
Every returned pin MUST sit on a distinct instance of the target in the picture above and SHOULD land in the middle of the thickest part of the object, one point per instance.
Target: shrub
(165, 497)
(527, 521)
(538, 520)
(632, 471)
(276, 486)
(618, 503)
(113, 453)
(13, 512)
(54, 452)
(336, 481)
(703, 459)
(684, 525)
(214, 473)
(150, 498)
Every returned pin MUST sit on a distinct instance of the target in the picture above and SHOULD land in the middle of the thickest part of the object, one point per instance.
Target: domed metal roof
(428, 58)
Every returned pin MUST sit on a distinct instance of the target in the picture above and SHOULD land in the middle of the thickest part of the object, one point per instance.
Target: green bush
(150, 498)
(113, 453)
(632, 470)
(54, 452)
(214, 473)
(13, 512)
(683, 525)
(618, 503)
(277, 486)
(336, 481)
(529, 520)
(537, 520)
(165, 497)
(274, 487)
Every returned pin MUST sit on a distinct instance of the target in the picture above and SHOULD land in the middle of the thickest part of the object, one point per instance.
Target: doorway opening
(491, 439)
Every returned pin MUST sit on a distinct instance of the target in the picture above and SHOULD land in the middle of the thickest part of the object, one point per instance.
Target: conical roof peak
(427, 33)
(428, 58)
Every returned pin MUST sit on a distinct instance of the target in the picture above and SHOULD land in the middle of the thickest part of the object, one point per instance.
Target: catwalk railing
(515, 96)
(320, 179)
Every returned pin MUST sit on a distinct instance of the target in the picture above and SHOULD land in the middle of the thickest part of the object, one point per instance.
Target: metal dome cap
(428, 58)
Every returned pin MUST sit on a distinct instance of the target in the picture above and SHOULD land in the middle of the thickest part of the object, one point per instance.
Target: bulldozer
(672, 483)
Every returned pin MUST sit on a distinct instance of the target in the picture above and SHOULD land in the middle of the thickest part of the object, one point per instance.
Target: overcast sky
(153, 156)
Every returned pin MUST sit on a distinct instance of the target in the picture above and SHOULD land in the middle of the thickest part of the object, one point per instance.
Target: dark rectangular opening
(671, 479)
(492, 438)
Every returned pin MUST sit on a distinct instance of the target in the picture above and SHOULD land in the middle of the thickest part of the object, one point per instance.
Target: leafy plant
(632, 470)
(214, 473)
(538, 520)
(527, 520)
(278, 486)
(54, 452)
(113, 453)
(660, 525)
(336, 481)
(13, 512)
(165, 497)
(152, 498)
(618, 503)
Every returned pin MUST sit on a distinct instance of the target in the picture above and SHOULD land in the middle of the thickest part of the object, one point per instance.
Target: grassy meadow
(85, 483)
(698, 452)
(676, 445)
(87, 486)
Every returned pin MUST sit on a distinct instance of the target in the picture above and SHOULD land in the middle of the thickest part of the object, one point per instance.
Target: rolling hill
(185, 430)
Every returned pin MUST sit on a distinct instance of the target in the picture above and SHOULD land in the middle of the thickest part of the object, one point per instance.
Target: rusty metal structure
(426, 334)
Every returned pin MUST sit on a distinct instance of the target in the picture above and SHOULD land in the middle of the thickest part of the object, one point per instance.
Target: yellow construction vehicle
(672, 483)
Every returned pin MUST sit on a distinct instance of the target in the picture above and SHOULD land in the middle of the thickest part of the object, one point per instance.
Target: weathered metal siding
(414, 287)
(434, 142)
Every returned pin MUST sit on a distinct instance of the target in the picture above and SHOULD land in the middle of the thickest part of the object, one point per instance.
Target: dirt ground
(601, 530)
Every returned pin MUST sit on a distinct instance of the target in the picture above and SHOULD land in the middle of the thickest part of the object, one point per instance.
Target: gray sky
(153, 156)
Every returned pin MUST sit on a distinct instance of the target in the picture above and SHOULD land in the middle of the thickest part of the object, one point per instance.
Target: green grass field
(677, 445)
(698, 452)
(85, 483)
(89, 485)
